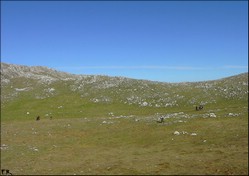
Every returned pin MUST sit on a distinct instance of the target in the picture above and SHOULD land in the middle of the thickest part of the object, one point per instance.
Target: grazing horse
(161, 120)
(6, 172)
(197, 108)
(37, 118)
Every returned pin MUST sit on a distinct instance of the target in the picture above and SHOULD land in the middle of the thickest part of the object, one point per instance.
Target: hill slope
(30, 91)
(108, 125)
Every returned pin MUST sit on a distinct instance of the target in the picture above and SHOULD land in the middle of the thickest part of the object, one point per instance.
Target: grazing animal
(200, 107)
(51, 117)
(37, 118)
(161, 120)
(6, 172)
(197, 108)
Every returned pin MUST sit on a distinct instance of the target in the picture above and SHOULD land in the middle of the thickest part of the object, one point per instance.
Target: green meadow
(101, 125)
(127, 146)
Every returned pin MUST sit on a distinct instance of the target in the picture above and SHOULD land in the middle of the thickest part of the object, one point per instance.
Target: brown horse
(37, 118)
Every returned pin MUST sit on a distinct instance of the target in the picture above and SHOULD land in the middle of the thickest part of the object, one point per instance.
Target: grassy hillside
(108, 125)
(42, 91)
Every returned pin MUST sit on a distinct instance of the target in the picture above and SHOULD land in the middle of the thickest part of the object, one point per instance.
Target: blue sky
(155, 40)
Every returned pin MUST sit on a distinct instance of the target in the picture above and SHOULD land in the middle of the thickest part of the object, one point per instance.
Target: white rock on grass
(105, 122)
(4, 147)
(233, 114)
(176, 133)
(145, 104)
(34, 149)
(111, 114)
(184, 132)
(212, 115)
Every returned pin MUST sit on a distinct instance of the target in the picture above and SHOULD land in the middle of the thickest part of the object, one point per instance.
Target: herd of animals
(197, 108)
(6, 172)
(161, 120)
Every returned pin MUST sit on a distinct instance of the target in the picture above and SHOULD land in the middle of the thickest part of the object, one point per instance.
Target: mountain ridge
(17, 69)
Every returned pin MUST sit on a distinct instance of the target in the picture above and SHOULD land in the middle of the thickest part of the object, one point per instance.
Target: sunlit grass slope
(109, 125)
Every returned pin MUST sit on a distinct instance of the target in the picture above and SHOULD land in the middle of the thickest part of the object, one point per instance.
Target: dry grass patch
(89, 146)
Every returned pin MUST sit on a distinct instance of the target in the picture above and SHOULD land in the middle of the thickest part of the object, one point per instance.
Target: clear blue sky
(156, 40)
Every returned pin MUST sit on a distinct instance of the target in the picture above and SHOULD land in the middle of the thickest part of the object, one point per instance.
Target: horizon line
(156, 67)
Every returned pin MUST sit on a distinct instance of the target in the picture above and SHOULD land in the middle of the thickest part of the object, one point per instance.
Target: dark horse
(161, 120)
(6, 172)
(37, 118)
(197, 108)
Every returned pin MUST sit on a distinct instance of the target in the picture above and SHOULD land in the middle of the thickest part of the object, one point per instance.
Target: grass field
(108, 125)
(129, 144)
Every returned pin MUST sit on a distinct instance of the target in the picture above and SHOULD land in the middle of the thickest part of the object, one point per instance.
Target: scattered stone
(4, 147)
(176, 133)
(233, 114)
(145, 104)
(111, 114)
(34, 132)
(22, 89)
(105, 122)
(212, 115)
(184, 132)
(34, 149)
